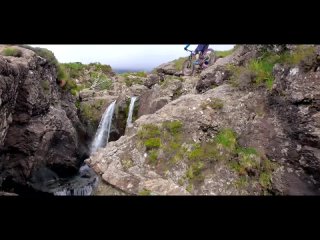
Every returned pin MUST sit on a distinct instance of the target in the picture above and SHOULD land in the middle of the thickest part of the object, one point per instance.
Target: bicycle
(189, 67)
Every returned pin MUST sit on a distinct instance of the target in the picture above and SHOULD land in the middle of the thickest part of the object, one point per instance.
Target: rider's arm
(186, 47)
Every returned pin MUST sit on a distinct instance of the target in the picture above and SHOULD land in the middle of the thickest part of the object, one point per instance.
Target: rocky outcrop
(152, 80)
(168, 69)
(39, 123)
(169, 89)
(276, 148)
(220, 133)
(124, 165)
(219, 72)
(296, 99)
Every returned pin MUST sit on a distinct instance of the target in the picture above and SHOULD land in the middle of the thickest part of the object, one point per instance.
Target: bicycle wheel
(187, 68)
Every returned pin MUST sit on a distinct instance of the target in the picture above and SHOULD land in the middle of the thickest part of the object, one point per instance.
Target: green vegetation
(165, 138)
(213, 103)
(140, 74)
(254, 167)
(62, 74)
(178, 63)
(99, 74)
(101, 81)
(133, 78)
(45, 85)
(127, 163)
(194, 171)
(92, 111)
(77, 104)
(68, 72)
(242, 182)
(153, 157)
(69, 84)
(248, 158)
(145, 192)
(190, 187)
(169, 79)
(262, 69)
(258, 72)
(221, 148)
(227, 138)
(105, 69)
(44, 53)
(149, 131)
(173, 127)
(74, 69)
(300, 54)
(265, 179)
(166, 145)
(152, 143)
(10, 51)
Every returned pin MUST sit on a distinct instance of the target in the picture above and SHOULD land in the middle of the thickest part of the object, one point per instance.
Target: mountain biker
(199, 51)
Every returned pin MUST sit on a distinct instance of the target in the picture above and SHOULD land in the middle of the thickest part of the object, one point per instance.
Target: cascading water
(129, 119)
(81, 185)
(102, 136)
(86, 181)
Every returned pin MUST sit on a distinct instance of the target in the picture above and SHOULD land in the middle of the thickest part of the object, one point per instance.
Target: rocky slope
(246, 125)
(40, 133)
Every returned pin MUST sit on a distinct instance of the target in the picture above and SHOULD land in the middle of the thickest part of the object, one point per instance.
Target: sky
(131, 57)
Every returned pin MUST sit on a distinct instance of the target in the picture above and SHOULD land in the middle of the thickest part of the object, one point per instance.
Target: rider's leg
(198, 54)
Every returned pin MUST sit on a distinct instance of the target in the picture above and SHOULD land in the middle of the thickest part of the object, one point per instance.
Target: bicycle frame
(201, 65)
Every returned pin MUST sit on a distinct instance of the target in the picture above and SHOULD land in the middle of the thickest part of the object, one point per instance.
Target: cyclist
(199, 51)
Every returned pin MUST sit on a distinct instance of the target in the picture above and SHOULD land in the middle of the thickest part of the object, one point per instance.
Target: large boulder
(39, 124)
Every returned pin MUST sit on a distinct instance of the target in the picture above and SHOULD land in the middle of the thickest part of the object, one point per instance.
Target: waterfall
(129, 119)
(104, 128)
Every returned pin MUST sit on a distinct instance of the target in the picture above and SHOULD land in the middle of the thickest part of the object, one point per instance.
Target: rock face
(277, 133)
(202, 135)
(168, 69)
(296, 100)
(39, 124)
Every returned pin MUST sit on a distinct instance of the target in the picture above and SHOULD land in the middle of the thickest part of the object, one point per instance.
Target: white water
(129, 119)
(79, 186)
(78, 191)
(102, 136)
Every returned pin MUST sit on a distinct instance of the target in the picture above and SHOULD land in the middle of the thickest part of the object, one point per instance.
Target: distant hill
(129, 70)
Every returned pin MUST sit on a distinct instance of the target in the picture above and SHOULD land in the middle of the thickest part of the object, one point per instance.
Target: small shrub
(44, 53)
(77, 104)
(262, 69)
(265, 179)
(194, 171)
(11, 52)
(145, 192)
(189, 188)
(178, 63)
(173, 127)
(227, 138)
(242, 182)
(298, 55)
(140, 74)
(152, 143)
(149, 131)
(153, 157)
